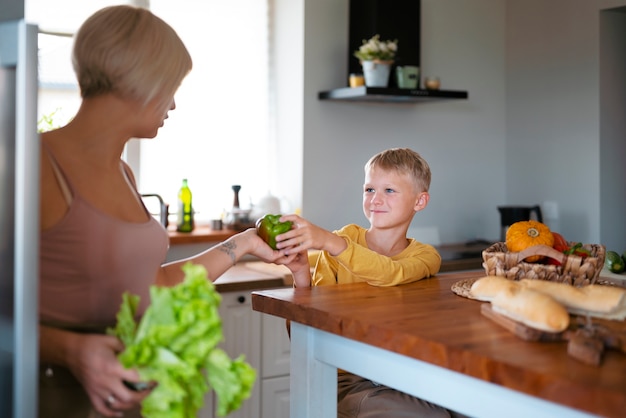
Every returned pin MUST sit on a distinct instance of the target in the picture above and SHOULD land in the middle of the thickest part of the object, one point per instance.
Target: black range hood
(378, 94)
(391, 19)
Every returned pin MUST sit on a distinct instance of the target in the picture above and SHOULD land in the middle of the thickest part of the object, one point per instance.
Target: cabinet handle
(241, 299)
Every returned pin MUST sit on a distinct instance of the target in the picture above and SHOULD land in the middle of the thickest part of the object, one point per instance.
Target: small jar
(432, 83)
(356, 80)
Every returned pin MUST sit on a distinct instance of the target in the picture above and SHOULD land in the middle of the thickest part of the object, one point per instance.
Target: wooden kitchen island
(423, 339)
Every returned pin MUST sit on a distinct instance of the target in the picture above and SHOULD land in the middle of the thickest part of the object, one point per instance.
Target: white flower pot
(376, 73)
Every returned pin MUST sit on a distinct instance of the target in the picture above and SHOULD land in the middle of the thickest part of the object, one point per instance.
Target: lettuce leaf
(175, 345)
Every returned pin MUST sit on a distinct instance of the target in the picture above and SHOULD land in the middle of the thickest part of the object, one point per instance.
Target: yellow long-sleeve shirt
(357, 263)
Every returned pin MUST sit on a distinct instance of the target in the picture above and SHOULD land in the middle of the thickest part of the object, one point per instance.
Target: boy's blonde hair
(131, 52)
(403, 161)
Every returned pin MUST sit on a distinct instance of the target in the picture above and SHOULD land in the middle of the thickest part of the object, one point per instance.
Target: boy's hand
(305, 236)
(298, 264)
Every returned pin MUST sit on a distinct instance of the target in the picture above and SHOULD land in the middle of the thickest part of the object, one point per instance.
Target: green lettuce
(175, 345)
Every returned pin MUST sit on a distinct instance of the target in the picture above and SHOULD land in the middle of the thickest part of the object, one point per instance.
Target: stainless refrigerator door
(19, 220)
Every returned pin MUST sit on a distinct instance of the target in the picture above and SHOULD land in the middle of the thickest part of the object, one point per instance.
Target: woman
(97, 238)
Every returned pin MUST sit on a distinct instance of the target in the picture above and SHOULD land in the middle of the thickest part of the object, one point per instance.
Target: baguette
(488, 287)
(532, 308)
(594, 300)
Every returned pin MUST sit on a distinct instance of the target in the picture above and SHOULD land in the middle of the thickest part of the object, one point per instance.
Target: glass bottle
(185, 209)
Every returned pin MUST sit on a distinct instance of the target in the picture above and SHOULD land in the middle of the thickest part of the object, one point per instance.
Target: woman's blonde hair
(129, 51)
(403, 161)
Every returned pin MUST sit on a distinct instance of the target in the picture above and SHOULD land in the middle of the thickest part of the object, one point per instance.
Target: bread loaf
(488, 287)
(594, 300)
(513, 300)
(531, 308)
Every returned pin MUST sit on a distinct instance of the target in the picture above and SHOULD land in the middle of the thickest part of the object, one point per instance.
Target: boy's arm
(422, 261)
(305, 235)
(300, 270)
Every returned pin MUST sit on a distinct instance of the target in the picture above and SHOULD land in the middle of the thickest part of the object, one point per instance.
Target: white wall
(529, 133)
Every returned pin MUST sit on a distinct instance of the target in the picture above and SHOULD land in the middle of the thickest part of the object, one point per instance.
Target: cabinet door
(276, 347)
(275, 397)
(242, 335)
(208, 410)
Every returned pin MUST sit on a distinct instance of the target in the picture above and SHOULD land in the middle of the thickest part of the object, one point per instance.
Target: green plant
(47, 122)
(375, 49)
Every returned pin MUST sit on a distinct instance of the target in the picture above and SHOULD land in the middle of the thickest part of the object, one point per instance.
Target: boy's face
(390, 198)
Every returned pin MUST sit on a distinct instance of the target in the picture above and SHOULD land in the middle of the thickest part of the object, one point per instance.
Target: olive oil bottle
(185, 209)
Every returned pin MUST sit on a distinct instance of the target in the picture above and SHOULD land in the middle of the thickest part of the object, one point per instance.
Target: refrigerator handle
(27, 156)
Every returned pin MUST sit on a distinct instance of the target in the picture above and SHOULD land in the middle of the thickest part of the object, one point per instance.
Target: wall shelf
(379, 94)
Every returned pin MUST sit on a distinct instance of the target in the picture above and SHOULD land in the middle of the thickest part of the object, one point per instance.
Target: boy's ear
(422, 201)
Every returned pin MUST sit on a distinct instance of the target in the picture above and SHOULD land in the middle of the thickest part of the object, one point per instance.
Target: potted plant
(376, 57)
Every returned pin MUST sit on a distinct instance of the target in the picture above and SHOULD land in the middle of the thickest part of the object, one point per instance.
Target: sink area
(462, 256)
(471, 249)
(162, 209)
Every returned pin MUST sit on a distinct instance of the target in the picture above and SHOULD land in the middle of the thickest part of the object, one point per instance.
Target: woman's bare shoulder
(53, 203)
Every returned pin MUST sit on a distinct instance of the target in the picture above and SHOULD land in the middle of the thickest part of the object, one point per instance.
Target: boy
(395, 189)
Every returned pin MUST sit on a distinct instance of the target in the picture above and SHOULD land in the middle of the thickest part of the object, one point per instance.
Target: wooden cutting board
(524, 332)
(586, 339)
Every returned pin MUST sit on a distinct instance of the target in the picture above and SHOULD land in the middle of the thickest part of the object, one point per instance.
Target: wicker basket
(574, 270)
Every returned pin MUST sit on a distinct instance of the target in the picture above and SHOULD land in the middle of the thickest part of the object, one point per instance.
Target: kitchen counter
(200, 234)
(455, 257)
(252, 276)
(423, 339)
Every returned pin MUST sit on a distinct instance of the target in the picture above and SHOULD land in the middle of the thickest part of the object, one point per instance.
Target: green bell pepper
(269, 226)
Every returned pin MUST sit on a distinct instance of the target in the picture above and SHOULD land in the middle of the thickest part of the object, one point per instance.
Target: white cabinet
(276, 353)
(275, 397)
(264, 341)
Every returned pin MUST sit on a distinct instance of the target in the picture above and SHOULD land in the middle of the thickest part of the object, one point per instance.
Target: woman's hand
(262, 250)
(94, 363)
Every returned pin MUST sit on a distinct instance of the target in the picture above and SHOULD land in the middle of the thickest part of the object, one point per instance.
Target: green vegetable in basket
(614, 262)
(579, 250)
(175, 345)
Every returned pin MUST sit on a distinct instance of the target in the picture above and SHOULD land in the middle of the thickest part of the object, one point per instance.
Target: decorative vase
(376, 73)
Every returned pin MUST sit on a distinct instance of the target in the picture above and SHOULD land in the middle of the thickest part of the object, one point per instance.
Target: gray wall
(554, 139)
(530, 132)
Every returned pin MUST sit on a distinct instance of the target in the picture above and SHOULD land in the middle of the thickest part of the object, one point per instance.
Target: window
(218, 135)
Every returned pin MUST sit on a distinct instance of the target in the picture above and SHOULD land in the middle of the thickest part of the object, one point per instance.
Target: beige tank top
(89, 259)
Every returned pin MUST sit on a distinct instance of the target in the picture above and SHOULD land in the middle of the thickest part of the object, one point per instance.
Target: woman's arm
(222, 256)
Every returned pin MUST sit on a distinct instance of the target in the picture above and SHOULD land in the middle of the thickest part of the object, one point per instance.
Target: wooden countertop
(427, 321)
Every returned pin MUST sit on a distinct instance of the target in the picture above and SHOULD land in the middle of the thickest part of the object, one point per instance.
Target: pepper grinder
(236, 189)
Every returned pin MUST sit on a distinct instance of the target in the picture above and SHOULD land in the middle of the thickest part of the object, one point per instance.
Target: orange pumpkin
(524, 234)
